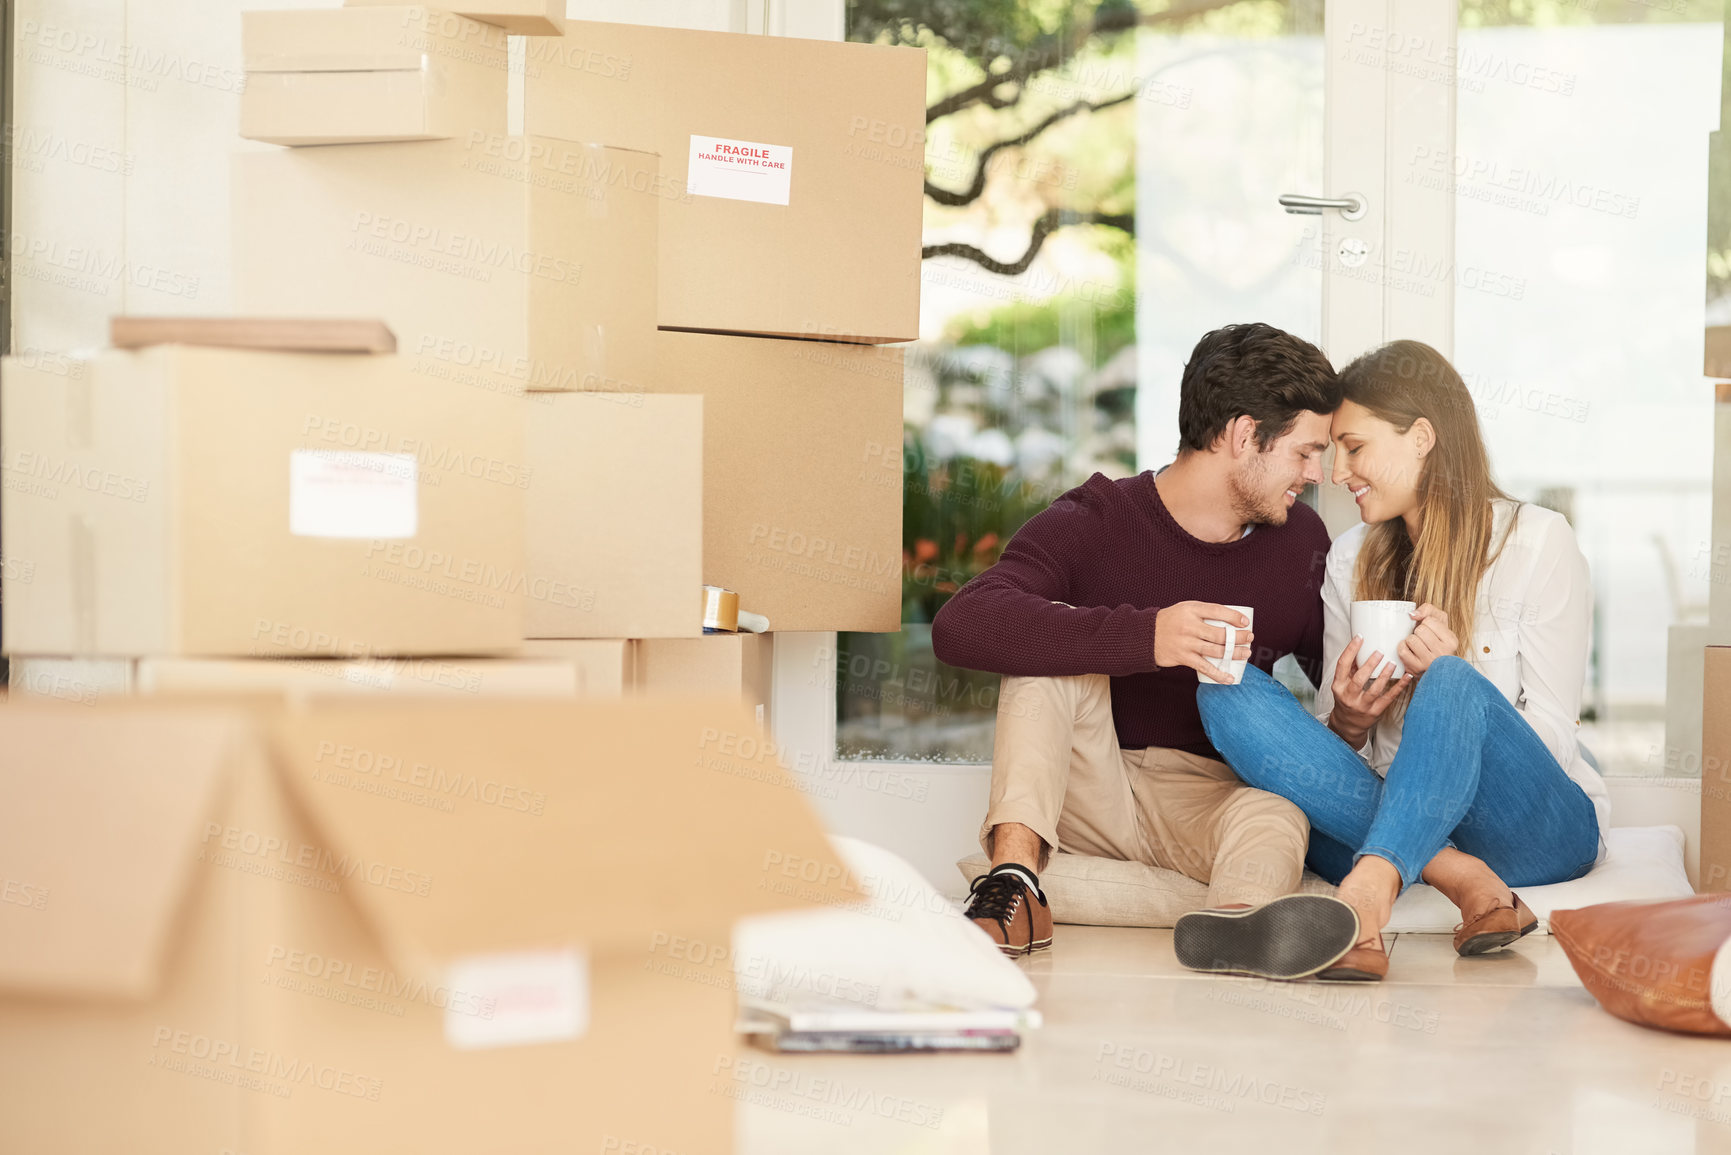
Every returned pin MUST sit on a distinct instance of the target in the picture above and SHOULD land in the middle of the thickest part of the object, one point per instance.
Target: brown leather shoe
(1015, 915)
(1495, 928)
(1367, 962)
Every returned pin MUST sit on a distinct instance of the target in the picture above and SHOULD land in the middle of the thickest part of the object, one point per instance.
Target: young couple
(1117, 737)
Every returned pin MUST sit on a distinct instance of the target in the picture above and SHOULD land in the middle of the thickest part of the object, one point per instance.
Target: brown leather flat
(1362, 964)
(1495, 928)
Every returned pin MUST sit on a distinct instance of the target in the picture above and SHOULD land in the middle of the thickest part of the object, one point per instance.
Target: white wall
(123, 124)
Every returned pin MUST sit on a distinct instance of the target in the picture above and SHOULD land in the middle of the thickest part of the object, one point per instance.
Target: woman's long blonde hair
(1401, 382)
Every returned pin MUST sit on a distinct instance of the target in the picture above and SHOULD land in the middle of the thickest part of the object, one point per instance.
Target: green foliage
(986, 33)
(985, 29)
(1554, 13)
(957, 516)
(1026, 327)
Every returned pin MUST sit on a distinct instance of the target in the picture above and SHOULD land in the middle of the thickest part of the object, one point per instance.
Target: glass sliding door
(1580, 184)
(1087, 220)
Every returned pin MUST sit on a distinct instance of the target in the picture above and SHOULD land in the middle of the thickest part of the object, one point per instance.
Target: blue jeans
(1470, 773)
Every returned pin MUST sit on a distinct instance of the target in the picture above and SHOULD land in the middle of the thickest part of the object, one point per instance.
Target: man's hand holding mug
(1194, 634)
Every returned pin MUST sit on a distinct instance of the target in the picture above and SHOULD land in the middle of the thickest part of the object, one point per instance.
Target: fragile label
(343, 493)
(740, 170)
(531, 997)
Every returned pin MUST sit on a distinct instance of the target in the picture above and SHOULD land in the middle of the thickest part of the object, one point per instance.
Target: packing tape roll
(720, 609)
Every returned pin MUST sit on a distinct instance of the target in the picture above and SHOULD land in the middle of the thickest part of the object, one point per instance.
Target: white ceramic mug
(1383, 626)
(1225, 663)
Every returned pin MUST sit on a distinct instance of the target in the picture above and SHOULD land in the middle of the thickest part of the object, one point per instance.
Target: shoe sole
(1290, 938)
(1018, 951)
(1494, 940)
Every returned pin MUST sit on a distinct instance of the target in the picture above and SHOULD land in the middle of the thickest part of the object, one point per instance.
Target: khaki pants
(1058, 770)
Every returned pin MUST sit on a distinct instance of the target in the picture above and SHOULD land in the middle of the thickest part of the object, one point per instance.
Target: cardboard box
(518, 17)
(1716, 351)
(82, 681)
(599, 668)
(480, 677)
(802, 475)
(606, 667)
(615, 516)
(715, 664)
(506, 263)
(185, 501)
(300, 952)
(802, 161)
(283, 334)
(1716, 771)
(353, 75)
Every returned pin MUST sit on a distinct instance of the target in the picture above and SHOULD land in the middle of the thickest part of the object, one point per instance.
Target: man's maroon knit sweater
(1112, 552)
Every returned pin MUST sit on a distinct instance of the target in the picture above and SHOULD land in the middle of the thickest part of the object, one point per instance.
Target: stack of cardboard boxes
(638, 349)
(655, 326)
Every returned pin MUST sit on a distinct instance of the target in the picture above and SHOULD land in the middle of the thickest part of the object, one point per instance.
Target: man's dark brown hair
(1252, 369)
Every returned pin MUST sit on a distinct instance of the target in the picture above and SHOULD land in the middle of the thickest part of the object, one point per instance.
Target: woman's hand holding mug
(1360, 696)
(1430, 639)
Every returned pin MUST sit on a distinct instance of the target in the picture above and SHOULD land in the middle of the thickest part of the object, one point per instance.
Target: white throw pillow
(904, 945)
(1640, 862)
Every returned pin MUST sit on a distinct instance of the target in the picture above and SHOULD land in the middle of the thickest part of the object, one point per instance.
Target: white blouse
(1531, 634)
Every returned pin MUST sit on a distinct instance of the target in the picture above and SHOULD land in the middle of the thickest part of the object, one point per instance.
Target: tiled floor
(1501, 1054)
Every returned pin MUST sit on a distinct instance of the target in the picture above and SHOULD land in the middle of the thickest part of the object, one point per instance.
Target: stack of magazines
(816, 1024)
(898, 969)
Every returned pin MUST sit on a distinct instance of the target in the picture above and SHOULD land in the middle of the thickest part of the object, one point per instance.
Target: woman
(1466, 771)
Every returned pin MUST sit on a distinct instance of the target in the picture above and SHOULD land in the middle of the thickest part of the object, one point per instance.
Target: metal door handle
(1351, 205)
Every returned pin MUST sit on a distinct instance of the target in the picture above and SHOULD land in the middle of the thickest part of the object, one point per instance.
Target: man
(1096, 616)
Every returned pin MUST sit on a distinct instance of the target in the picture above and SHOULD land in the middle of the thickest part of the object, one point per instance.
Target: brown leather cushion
(1650, 962)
